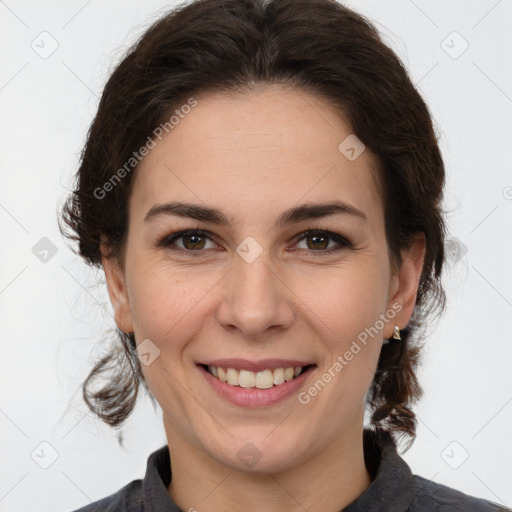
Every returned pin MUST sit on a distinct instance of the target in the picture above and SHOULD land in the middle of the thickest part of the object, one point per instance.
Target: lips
(250, 394)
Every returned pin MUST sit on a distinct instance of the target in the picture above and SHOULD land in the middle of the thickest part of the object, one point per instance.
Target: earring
(396, 333)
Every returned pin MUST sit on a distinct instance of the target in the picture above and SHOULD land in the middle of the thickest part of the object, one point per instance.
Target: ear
(116, 285)
(405, 283)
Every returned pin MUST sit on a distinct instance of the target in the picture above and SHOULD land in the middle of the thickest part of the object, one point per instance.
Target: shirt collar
(390, 488)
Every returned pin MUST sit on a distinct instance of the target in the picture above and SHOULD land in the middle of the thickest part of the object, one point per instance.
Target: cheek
(345, 310)
(166, 301)
(168, 308)
(346, 299)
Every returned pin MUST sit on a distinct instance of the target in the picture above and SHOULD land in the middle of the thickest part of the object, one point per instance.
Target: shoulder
(434, 497)
(127, 499)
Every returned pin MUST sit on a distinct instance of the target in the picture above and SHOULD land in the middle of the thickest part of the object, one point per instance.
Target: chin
(258, 453)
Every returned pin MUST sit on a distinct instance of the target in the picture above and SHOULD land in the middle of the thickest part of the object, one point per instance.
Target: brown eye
(192, 240)
(318, 241)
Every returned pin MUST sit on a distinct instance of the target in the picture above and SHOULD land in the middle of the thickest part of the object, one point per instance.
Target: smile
(251, 383)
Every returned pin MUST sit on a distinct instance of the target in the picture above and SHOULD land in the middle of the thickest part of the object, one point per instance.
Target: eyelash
(169, 239)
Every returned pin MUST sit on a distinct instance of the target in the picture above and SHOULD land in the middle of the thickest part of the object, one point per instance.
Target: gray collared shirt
(393, 489)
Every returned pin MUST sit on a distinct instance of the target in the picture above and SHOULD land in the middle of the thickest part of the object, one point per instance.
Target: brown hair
(318, 46)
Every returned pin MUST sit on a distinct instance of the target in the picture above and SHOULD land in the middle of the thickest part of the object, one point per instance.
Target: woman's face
(252, 288)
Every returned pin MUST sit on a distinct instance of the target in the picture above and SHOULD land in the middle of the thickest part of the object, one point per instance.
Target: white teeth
(264, 379)
(222, 373)
(233, 377)
(278, 376)
(246, 379)
(261, 380)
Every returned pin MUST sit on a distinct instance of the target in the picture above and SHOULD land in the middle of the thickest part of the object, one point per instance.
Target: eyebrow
(291, 216)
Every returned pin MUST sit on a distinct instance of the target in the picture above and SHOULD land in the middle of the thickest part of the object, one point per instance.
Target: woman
(262, 186)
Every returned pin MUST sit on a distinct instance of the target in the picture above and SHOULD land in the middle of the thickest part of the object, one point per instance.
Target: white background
(52, 314)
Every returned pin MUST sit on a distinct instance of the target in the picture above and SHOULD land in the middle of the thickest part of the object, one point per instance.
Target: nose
(256, 299)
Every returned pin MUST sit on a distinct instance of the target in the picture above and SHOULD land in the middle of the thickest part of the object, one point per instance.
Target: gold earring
(396, 333)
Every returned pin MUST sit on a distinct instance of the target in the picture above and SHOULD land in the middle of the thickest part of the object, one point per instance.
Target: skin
(253, 156)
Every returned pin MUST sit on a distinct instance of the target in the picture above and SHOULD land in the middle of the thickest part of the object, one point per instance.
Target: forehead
(256, 152)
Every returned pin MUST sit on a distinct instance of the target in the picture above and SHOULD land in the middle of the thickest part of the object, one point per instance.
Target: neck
(327, 482)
